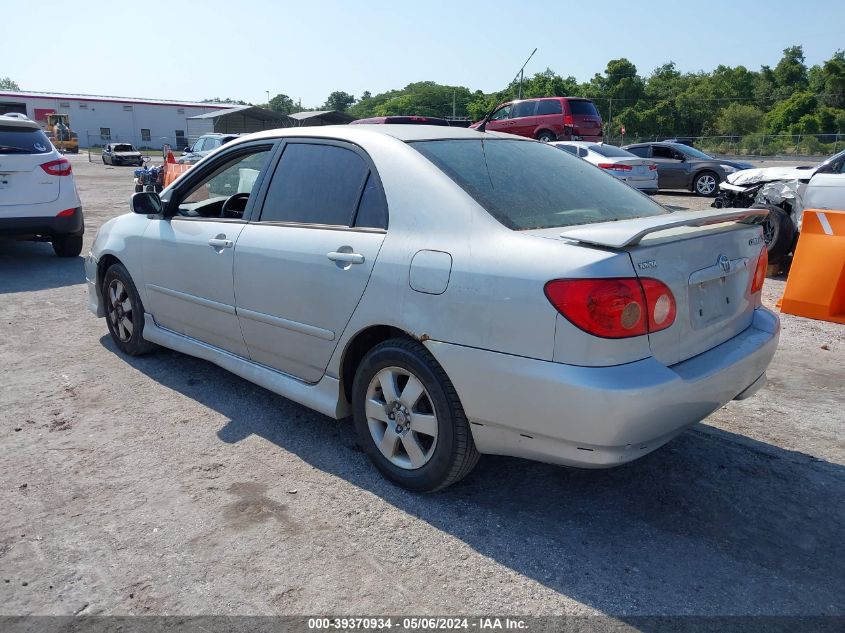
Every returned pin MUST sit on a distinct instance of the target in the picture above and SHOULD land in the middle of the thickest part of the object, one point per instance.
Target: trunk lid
(22, 181)
(707, 260)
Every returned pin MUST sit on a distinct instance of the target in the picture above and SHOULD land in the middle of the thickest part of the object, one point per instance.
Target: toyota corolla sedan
(456, 292)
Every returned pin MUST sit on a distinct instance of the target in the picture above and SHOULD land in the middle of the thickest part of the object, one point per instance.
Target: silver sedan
(640, 173)
(456, 292)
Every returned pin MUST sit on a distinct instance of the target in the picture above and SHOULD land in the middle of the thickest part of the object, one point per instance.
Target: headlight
(728, 169)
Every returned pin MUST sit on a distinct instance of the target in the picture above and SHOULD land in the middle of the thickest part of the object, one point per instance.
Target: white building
(146, 123)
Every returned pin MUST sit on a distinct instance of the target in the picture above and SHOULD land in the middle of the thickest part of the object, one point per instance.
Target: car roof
(406, 133)
(16, 121)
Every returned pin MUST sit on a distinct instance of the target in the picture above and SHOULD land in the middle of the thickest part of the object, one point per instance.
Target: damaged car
(781, 190)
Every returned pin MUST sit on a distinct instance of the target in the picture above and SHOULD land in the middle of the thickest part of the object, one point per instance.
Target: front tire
(778, 233)
(409, 419)
(67, 245)
(706, 184)
(124, 312)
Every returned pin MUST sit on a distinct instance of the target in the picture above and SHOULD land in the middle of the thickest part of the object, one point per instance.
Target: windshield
(124, 148)
(691, 151)
(526, 185)
(23, 140)
(611, 151)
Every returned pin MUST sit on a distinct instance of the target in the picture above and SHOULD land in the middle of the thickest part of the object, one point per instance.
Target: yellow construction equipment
(58, 130)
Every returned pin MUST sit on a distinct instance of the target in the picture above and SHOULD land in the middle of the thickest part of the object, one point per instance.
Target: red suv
(548, 119)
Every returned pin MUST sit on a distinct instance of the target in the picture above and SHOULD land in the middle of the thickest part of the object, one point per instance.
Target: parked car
(402, 120)
(680, 166)
(204, 145)
(547, 119)
(640, 173)
(457, 292)
(122, 154)
(38, 198)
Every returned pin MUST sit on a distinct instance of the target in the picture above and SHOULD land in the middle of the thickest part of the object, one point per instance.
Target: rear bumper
(44, 226)
(595, 417)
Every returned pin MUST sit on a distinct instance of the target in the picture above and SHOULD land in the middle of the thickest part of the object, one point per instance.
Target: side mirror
(146, 203)
(186, 151)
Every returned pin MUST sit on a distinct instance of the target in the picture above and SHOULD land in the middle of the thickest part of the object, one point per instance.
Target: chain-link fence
(143, 142)
(756, 144)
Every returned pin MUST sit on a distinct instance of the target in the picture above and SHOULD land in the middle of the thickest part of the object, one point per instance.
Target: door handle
(218, 242)
(347, 258)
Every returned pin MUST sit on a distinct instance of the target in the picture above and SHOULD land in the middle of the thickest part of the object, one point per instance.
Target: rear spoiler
(624, 233)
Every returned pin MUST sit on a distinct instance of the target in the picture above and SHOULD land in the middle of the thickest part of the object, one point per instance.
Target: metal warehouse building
(147, 123)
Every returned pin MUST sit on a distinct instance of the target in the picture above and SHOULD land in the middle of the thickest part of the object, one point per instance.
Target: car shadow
(26, 266)
(714, 523)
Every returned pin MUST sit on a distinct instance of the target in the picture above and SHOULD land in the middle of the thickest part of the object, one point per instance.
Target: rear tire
(67, 245)
(778, 233)
(124, 312)
(545, 136)
(433, 448)
(706, 184)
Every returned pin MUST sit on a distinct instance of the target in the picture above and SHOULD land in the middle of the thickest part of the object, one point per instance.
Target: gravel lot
(164, 485)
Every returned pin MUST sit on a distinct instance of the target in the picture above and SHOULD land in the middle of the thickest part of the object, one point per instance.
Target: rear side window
(549, 106)
(372, 210)
(610, 151)
(642, 152)
(584, 108)
(527, 185)
(315, 184)
(661, 151)
(23, 140)
(523, 109)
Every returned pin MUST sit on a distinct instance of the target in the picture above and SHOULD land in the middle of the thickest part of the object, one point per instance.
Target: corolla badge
(40, 147)
(724, 263)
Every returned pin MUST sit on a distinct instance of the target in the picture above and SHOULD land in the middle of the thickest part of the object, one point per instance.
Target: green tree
(739, 118)
(283, 103)
(7, 84)
(339, 100)
(789, 112)
(791, 72)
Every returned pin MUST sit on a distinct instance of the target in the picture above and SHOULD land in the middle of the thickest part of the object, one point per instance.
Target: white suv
(38, 197)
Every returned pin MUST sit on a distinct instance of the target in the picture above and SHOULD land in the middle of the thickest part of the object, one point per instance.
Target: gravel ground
(165, 485)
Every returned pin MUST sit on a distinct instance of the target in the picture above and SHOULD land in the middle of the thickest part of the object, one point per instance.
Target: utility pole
(453, 103)
(521, 72)
(610, 117)
(268, 96)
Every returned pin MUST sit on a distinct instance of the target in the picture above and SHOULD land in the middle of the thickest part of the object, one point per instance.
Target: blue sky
(240, 49)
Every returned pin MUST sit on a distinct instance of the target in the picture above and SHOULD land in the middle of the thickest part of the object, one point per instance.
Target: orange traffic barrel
(172, 170)
(815, 287)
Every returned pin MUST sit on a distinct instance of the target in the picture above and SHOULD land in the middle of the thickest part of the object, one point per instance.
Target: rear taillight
(59, 167)
(652, 167)
(760, 271)
(568, 120)
(614, 308)
(615, 167)
(66, 213)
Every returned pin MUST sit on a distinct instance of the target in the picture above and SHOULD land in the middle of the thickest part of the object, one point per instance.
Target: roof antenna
(483, 126)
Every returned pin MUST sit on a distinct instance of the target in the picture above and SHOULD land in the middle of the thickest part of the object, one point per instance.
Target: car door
(672, 170)
(107, 154)
(524, 121)
(303, 264)
(189, 253)
(500, 120)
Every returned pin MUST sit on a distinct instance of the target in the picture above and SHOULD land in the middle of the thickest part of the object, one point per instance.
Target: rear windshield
(583, 107)
(611, 151)
(526, 185)
(124, 148)
(23, 140)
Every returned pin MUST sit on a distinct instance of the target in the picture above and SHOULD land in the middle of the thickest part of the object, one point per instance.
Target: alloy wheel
(401, 418)
(705, 185)
(120, 310)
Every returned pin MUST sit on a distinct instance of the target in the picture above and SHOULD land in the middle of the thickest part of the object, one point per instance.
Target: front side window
(501, 113)
(238, 175)
(315, 184)
(527, 185)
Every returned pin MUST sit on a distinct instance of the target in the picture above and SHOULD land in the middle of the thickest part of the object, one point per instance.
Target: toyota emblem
(725, 263)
